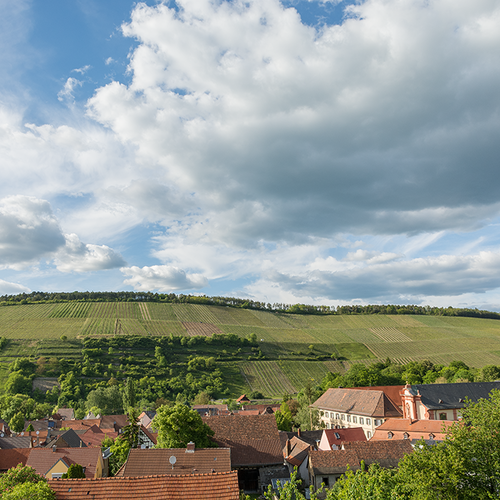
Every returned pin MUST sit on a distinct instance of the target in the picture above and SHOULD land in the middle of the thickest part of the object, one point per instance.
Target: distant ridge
(172, 298)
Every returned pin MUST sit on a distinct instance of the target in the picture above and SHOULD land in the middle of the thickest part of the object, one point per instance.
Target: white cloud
(30, 232)
(7, 288)
(162, 278)
(83, 69)
(78, 257)
(66, 94)
(108, 61)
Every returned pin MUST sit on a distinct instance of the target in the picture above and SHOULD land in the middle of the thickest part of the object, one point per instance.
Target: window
(406, 435)
(348, 418)
(342, 417)
(368, 421)
(355, 420)
(442, 416)
(326, 482)
(57, 475)
(337, 416)
(361, 420)
(337, 435)
(390, 435)
(368, 434)
(378, 422)
(431, 436)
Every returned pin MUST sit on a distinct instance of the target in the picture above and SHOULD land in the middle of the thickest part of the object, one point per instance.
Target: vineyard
(293, 349)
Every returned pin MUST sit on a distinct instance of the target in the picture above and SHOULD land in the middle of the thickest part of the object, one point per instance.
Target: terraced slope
(297, 348)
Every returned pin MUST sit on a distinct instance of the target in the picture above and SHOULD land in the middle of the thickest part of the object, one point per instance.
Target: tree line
(172, 298)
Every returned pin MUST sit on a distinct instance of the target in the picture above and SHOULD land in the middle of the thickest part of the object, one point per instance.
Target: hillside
(294, 348)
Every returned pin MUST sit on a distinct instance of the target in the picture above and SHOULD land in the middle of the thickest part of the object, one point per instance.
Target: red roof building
(333, 439)
(218, 486)
(413, 430)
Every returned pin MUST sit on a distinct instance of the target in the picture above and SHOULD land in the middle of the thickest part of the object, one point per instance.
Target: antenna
(172, 460)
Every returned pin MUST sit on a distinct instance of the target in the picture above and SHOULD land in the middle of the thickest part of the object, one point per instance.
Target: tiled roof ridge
(139, 478)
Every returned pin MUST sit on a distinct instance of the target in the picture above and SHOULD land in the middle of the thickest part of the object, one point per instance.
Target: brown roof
(391, 391)
(386, 453)
(295, 451)
(114, 422)
(253, 439)
(156, 461)
(415, 429)
(242, 398)
(10, 458)
(81, 424)
(43, 459)
(221, 486)
(333, 462)
(359, 402)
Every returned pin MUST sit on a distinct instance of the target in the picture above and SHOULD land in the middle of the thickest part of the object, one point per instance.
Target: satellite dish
(37, 432)
(172, 460)
(22, 433)
(2, 435)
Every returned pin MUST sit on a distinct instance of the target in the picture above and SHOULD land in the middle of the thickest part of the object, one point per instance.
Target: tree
(130, 432)
(129, 394)
(16, 423)
(17, 383)
(30, 491)
(284, 418)
(178, 425)
(74, 471)
(18, 475)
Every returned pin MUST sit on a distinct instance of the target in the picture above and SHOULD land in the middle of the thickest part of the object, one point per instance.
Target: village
(358, 427)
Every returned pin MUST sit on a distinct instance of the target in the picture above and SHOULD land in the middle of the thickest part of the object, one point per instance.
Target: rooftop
(220, 486)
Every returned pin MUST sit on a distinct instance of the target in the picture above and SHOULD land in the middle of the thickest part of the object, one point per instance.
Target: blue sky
(301, 151)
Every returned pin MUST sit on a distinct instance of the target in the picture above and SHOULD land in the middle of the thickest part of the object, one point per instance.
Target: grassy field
(296, 348)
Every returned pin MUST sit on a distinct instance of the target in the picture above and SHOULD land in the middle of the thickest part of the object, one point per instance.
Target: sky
(318, 152)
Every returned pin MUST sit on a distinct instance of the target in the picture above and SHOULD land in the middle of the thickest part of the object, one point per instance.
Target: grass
(296, 347)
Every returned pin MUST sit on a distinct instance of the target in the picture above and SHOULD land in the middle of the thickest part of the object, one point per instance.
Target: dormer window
(337, 435)
(431, 436)
(406, 435)
(390, 435)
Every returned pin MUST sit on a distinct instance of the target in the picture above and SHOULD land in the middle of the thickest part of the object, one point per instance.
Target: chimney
(288, 449)
(190, 447)
(54, 448)
(298, 432)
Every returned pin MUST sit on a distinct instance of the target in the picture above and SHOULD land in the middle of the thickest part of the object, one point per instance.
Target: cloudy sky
(326, 152)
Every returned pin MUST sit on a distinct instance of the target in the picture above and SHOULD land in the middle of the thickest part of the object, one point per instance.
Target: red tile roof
(358, 402)
(253, 439)
(43, 459)
(385, 453)
(156, 461)
(351, 434)
(415, 429)
(221, 486)
(12, 457)
(295, 451)
(391, 391)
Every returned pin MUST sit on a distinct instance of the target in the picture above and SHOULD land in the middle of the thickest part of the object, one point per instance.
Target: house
(243, 399)
(442, 401)
(333, 439)
(176, 461)
(327, 466)
(66, 413)
(311, 437)
(255, 447)
(296, 454)
(146, 417)
(93, 436)
(66, 439)
(218, 486)
(11, 442)
(430, 431)
(344, 408)
(54, 462)
(210, 410)
(12, 457)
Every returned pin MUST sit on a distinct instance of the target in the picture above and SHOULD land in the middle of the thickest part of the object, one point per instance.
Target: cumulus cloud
(80, 257)
(163, 278)
(82, 70)
(385, 124)
(445, 275)
(7, 288)
(28, 230)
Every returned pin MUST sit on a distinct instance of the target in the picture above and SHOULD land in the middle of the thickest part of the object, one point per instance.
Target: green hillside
(295, 348)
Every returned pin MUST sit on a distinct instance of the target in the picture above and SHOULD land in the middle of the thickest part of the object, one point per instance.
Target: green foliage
(284, 418)
(16, 423)
(108, 400)
(18, 475)
(129, 394)
(17, 383)
(74, 471)
(291, 490)
(178, 425)
(30, 491)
